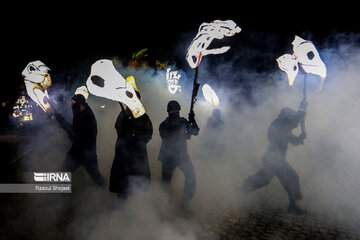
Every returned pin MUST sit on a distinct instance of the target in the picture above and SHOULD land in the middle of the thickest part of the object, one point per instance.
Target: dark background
(64, 36)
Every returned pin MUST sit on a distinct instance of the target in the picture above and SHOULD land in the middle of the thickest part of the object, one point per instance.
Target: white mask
(309, 58)
(105, 81)
(35, 72)
(37, 80)
(289, 64)
(305, 55)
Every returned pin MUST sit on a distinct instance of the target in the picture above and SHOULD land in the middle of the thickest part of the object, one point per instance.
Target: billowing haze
(328, 164)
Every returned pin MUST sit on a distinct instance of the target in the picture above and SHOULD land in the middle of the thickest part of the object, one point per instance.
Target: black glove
(301, 114)
(303, 105)
(58, 117)
(64, 124)
(192, 117)
(302, 136)
(50, 114)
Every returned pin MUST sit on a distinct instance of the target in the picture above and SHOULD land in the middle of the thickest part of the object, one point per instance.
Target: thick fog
(327, 164)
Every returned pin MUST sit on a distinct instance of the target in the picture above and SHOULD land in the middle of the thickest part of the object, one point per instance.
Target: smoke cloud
(327, 164)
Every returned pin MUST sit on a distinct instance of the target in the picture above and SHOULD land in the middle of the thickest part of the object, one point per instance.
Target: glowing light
(105, 81)
(142, 53)
(161, 65)
(83, 91)
(28, 117)
(22, 109)
(37, 80)
(103, 106)
(210, 95)
(207, 32)
(172, 81)
(139, 59)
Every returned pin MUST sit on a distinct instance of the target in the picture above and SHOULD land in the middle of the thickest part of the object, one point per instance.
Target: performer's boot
(185, 208)
(295, 209)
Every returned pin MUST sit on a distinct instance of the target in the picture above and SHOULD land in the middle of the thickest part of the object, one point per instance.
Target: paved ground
(262, 224)
(268, 223)
(277, 224)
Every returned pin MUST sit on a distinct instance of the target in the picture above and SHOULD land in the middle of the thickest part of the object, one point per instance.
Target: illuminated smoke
(327, 163)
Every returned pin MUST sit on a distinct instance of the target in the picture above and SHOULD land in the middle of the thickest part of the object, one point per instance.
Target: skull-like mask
(207, 32)
(289, 64)
(306, 54)
(105, 81)
(309, 58)
(172, 81)
(37, 80)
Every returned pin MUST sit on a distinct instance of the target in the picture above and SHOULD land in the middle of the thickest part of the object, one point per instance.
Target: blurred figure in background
(214, 146)
(214, 121)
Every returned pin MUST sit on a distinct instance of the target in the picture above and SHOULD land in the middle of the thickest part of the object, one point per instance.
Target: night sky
(62, 36)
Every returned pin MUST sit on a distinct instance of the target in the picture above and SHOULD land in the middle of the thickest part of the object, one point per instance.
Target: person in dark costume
(174, 131)
(274, 160)
(130, 168)
(82, 132)
(214, 121)
(213, 139)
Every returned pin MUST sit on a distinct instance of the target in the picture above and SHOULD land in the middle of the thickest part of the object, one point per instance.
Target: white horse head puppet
(309, 59)
(37, 80)
(289, 64)
(105, 81)
(305, 55)
(207, 32)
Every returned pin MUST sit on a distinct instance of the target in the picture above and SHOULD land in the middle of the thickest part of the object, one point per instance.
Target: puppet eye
(310, 55)
(194, 58)
(129, 94)
(98, 81)
(105, 81)
(31, 68)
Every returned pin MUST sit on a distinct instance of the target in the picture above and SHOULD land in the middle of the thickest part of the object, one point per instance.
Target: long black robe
(131, 157)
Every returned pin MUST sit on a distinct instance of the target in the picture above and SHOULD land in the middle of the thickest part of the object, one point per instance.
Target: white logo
(172, 81)
(51, 177)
